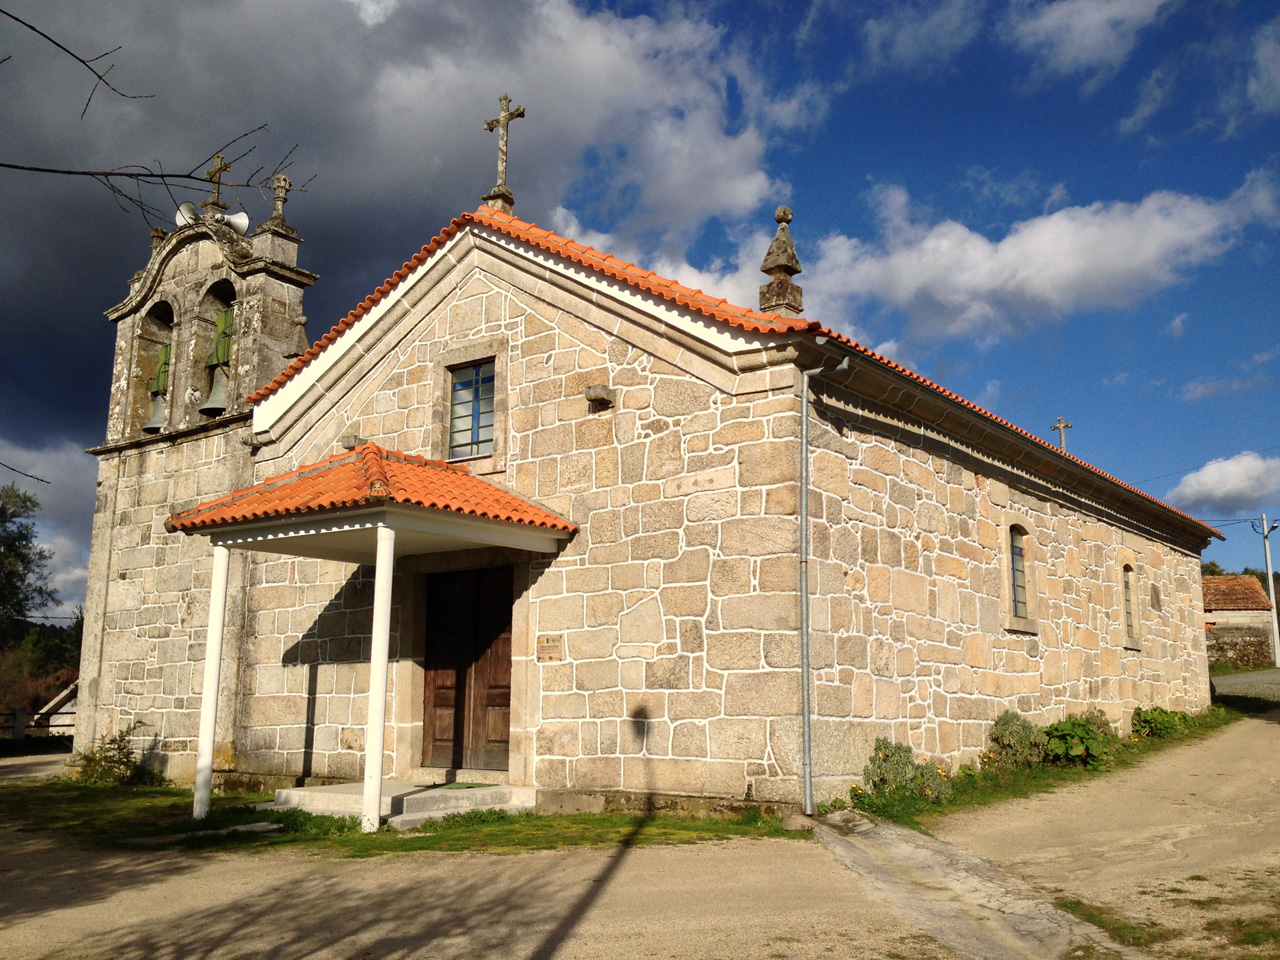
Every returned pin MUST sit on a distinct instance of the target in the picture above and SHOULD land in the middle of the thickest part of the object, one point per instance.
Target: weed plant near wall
(112, 762)
(1022, 759)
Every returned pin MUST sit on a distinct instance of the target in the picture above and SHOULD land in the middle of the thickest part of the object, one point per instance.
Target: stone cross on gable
(1062, 427)
(214, 176)
(501, 197)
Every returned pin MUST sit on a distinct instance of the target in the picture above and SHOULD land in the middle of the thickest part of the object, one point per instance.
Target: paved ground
(37, 767)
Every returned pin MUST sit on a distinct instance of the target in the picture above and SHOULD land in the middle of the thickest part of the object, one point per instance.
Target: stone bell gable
(195, 273)
(211, 309)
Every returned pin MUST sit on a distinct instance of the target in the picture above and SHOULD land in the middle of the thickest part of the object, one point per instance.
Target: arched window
(1018, 559)
(214, 348)
(149, 395)
(1130, 627)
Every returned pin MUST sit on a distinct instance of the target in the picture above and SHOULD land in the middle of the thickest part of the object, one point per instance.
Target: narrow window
(471, 411)
(1128, 602)
(1017, 541)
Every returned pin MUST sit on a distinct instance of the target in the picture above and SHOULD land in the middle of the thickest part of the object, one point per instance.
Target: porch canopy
(368, 505)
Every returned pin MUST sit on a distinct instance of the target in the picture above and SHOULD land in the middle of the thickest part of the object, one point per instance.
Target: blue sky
(1065, 208)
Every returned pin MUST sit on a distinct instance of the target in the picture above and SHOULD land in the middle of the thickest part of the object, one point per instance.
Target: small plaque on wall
(550, 649)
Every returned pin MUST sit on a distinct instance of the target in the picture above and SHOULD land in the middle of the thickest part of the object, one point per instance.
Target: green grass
(123, 816)
(992, 785)
(1117, 928)
(1228, 669)
(1248, 931)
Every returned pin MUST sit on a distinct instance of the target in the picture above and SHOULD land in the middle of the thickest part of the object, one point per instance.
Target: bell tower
(213, 316)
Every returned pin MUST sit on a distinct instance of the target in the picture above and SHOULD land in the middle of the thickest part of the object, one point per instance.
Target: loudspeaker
(239, 222)
(187, 214)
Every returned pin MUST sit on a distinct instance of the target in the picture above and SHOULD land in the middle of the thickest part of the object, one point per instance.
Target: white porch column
(212, 671)
(371, 809)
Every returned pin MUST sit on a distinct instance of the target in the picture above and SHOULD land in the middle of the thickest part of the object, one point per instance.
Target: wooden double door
(467, 713)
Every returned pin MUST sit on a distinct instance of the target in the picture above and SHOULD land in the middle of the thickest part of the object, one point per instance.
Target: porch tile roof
(1235, 592)
(368, 476)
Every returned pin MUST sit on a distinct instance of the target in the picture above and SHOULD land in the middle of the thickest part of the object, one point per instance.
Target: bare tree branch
(87, 64)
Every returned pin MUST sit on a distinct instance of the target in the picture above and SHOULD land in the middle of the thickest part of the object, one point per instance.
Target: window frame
(481, 374)
(464, 354)
(1026, 618)
(1130, 618)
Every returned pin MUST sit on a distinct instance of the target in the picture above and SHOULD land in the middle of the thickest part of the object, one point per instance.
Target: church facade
(578, 486)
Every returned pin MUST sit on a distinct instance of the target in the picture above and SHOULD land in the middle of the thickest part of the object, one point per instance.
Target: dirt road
(768, 898)
(1188, 837)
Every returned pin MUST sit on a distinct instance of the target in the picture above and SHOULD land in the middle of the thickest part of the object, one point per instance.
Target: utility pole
(1271, 585)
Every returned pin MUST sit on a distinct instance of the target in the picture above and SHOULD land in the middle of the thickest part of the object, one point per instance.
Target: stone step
(345, 799)
(405, 803)
(435, 804)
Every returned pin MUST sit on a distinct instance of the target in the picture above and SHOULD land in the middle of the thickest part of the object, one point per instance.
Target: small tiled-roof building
(1238, 619)
(530, 513)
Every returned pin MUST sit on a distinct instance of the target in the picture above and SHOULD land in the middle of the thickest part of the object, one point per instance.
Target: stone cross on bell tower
(214, 204)
(500, 198)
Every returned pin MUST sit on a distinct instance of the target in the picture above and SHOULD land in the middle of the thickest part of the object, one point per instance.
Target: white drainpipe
(806, 725)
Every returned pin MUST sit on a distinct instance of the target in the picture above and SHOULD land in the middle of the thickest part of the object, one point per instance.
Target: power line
(29, 476)
(1178, 473)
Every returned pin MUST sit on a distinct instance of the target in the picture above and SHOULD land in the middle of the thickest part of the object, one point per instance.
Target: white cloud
(990, 395)
(1057, 197)
(954, 282)
(1069, 37)
(1236, 485)
(65, 519)
(1119, 380)
(919, 36)
(1152, 95)
(1177, 325)
(1264, 74)
(1207, 387)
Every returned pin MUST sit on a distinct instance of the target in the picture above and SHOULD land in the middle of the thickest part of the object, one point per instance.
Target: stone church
(530, 514)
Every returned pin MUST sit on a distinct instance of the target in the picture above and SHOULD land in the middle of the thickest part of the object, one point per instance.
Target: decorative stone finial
(157, 238)
(214, 204)
(780, 295)
(500, 198)
(280, 186)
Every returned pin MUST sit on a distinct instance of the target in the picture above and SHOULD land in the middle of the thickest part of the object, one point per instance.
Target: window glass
(1128, 602)
(1016, 544)
(471, 411)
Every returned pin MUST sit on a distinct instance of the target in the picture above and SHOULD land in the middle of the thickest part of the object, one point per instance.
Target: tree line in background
(37, 660)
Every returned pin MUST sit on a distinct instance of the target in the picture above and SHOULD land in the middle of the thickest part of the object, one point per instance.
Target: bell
(216, 403)
(159, 415)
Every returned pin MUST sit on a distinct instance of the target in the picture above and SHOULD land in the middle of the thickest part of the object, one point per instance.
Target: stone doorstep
(405, 802)
(437, 804)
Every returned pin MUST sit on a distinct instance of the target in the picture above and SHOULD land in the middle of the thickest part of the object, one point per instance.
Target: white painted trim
(273, 536)
(268, 412)
(727, 339)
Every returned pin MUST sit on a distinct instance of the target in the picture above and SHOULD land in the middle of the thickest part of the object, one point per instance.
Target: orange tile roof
(368, 476)
(714, 308)
(1238, 591)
